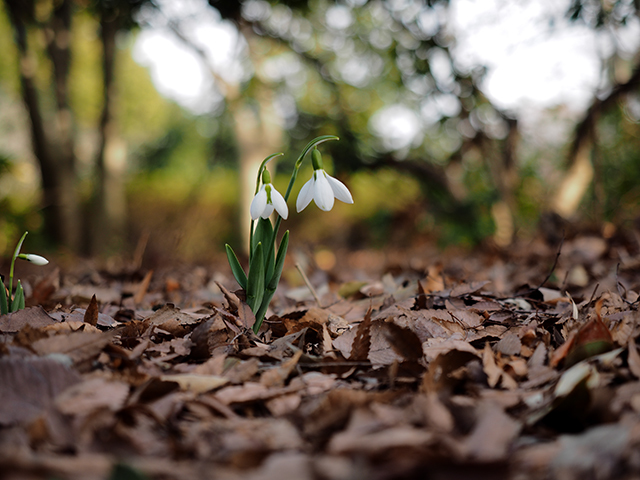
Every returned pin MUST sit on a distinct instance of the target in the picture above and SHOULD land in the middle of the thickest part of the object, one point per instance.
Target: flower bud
(35, 259)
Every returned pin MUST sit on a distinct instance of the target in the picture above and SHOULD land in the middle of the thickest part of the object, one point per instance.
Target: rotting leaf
(362, 341)
(509, 344)
(437, 378)
(79, 346)
(403, 341)
(494, 373)
(29, 385)
(90, 395)
(238, 308)
(35, 317)
(463, 289)
(208, 336)
(593, 338)
(276, 377)
(196, 383)
(91, 313)
(45, 288)
(493, 435)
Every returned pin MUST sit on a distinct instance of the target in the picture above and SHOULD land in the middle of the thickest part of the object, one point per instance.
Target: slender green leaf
(272, 285)
(263, 233)
(279, 265)
(13, 261)
(236, 268)
(4, 307)
(18, 299)
(255, 280)
(269, 263)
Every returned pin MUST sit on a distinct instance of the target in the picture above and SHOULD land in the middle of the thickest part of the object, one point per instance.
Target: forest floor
(513, 364)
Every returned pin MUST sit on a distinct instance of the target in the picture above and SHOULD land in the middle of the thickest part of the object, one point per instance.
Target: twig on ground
(555, 263)
(308, 284)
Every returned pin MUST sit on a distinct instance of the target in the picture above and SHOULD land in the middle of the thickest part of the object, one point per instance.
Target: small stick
(308, 284)
(595, 289)
(555, 262)
(622, 290)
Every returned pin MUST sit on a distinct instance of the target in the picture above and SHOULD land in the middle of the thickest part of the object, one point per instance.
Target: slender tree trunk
(53, 149)
(108, 206)
(259, 135)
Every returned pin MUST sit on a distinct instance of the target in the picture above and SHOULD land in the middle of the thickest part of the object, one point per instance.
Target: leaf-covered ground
(519, 364)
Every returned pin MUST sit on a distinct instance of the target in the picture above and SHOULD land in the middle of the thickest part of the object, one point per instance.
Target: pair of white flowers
(322, 188)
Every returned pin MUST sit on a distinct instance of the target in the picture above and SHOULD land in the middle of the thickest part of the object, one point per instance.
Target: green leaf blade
(255, 280)
(279, 262)
(18, 299)
(236, 268)
(272, 284)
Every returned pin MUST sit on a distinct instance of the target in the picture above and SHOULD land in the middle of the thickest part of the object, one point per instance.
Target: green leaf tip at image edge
(236, 268)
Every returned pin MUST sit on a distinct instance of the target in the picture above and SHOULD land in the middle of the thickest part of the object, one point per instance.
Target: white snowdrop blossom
(322, 189)
(35, 259)
(266, 201)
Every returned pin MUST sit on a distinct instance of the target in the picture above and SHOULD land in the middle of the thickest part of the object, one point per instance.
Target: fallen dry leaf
(29, 385)
(35, 317)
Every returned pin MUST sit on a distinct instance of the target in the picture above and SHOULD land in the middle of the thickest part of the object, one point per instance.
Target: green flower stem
(13, 261)
(263, 165)
(294, 175)
(265, 266)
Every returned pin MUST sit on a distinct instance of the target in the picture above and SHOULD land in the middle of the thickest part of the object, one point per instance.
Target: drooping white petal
(258, 204)
(268, 210)
(322, 192)
(340, 190)
(305, 196)
(278, 202)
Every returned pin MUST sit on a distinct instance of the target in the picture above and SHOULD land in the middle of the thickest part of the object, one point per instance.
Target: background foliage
(425, 152)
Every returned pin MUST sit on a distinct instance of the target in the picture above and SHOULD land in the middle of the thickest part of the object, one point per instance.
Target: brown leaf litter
(453, 368)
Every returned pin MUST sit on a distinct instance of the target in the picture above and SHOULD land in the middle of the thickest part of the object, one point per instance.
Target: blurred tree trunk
(257, 127)
(53, 146)
(52, 131)
(504, 171)
(108, 206)
(259, 135)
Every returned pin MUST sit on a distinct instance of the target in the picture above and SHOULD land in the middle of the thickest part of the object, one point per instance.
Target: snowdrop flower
(322, 188)
(35, 259)
(268, 199)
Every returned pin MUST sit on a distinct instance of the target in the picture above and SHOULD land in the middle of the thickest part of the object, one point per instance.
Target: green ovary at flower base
(15, 301)
(265, 262)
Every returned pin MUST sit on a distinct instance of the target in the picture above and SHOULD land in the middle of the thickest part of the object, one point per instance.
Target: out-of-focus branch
(580, 170)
